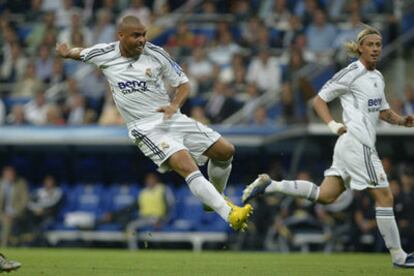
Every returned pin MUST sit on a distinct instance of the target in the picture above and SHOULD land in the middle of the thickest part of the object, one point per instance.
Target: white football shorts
(158, 139)
(357, 164)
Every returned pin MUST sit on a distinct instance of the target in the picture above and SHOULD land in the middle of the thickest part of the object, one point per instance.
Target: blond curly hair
(352, 46)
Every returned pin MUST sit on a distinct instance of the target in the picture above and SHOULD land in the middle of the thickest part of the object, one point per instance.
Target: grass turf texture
(96, 262)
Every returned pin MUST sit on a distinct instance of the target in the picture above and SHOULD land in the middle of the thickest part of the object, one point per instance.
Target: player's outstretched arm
(389, 116)
(63, 50)
(321, 107)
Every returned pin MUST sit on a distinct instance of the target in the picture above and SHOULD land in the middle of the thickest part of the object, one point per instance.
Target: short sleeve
(384, 102)
(171, 71)
(97, 54)
(339, 84)
(332, 89)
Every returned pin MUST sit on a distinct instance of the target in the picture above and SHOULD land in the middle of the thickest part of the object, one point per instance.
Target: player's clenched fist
(409, 121)
(62, 49)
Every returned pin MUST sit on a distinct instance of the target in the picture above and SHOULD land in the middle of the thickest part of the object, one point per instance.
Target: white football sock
(297, 188)
(389, 231)
(218, 173)
(206, 192)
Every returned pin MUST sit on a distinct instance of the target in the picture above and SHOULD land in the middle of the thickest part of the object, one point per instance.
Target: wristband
(335, 126)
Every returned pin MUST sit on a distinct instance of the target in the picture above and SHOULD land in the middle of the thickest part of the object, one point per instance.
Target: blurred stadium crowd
(234, 52)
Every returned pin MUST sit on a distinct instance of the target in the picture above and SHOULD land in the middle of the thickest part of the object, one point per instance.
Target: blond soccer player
(356, 165)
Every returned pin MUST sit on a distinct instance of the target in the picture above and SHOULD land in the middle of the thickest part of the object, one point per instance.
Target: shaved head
(131, 36)
(128, 21)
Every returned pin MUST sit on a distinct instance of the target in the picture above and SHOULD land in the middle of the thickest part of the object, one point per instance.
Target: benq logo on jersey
(374, 105)
(128, 87)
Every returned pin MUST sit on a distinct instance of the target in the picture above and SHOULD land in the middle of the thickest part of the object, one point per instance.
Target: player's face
(132, 39)
(370, 49)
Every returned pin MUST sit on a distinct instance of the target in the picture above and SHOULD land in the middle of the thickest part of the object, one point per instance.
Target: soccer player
(8, 265)
(136, 70)
(356, 164)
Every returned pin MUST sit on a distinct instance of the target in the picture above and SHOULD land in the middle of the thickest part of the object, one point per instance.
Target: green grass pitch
(96, 262)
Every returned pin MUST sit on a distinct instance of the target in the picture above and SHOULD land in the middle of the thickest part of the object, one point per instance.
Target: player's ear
(120, 35)
(360, 47)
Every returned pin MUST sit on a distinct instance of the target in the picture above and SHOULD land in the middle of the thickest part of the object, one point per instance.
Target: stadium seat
(189, 210)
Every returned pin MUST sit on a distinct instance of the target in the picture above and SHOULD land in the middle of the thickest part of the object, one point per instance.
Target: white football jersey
(361, 93)
(137, 84)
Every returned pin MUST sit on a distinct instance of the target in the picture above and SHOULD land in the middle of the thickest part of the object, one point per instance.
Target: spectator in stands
(54, 115)
(260, 118)
(8, 38)
(208, 8)
(295, 29)
(139, 9)
(57, 81)
(347, 32)
(239, 82)
(221, 103)
(104, 30)
(29, 84)
(224, 48)
(201, 68)
(43, 206)
(44, 63)
(92, 86)
(250, 100)
(49, 39)
(250, 31)
(36, 109)
(76, 26)
(264, 40)
(182, 41)
(63, 10)
(155, 205)
(297, 89)
(265, 71)
(320, 35)
(305, 10)
(287, 109)
(77, 110)
(39, 31)
(14, 64)
(114, 7)
(13, 201)
(241, 10)
(17, 116)
(275, 14)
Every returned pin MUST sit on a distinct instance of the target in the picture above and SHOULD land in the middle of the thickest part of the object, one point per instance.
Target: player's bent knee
(229, 152)
(326, 200)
